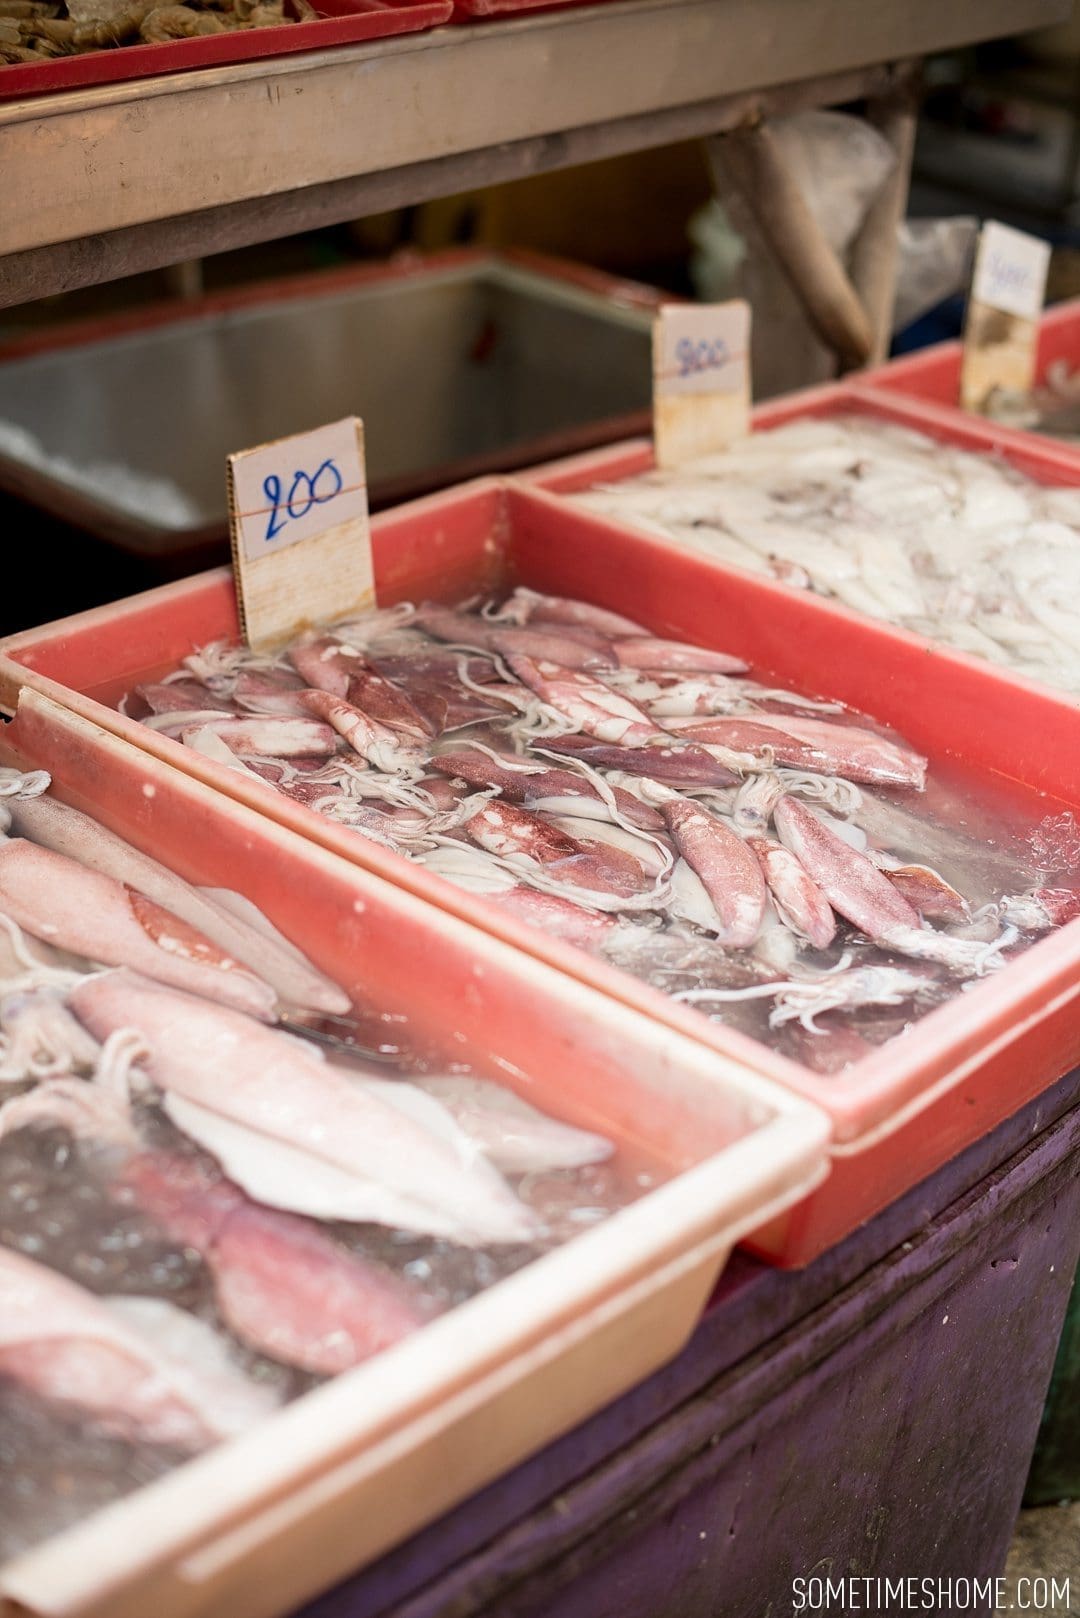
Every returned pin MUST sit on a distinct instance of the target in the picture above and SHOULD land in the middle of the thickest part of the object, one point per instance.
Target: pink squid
(813, 744)
(856, 889)
(273, 735)
(66, 1345)
(647, 653)
(675, 764)
(527, 607)
(68, 831)
(329, 665)
(533, 786)
(383, 748)
(573, 649)
(240, 1084)
(588, 705)
(180, 696)
(728, 870)
(796, 895)
(507, 830)
(560, 918)
(92, 915)
(281, 1285)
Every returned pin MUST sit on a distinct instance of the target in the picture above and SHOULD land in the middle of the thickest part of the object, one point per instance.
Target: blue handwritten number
(272, 491)
(694, 357)
(328, 469)
(304, 492)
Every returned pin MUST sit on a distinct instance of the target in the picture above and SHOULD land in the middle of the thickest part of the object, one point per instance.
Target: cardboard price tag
(300, 538)
(1001, 331)
(701, 378)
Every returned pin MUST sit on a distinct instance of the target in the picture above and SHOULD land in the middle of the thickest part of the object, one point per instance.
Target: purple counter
(873, 1414)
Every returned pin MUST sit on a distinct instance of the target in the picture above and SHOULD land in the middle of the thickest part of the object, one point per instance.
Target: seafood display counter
(857, 758)
(1053, 407)
(478, 1294)
(359, 1145)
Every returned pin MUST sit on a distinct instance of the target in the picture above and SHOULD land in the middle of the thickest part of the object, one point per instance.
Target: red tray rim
(372, 19)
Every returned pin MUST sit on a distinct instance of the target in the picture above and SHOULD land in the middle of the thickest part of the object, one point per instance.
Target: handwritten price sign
(701, 378)
(286, 491)
(1010, 270)
(301, 546)
(1001, 331)
(306, 491)
(697, 356)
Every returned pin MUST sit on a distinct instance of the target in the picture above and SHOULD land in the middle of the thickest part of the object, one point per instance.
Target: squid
(288, 1128)
(587, 704)
(63, 903)
(856, 888)
(281, 1286)
(68, 831)
(65, 1345)
(726, 866)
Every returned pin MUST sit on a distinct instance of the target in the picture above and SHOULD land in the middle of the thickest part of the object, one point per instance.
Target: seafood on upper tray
(33, 31)
(769, 857)
(203, 1211)
(1052, 408)
(951, 544)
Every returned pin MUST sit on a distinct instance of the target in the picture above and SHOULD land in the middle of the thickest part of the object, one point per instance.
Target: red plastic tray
(901, 1112)
(934, 373)
(481, 10)
(340, 22)
(1046, 460)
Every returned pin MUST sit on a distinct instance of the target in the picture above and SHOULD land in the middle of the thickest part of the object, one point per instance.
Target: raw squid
(245, 1080)
(654, 802)
(68, 831)
(62, 902)
(892, 523)
(514, 1136)
(281, 1286)
(159, 1293)
(69, 1347)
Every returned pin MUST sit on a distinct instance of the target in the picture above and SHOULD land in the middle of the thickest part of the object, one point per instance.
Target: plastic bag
(935, 261)
(840, 164)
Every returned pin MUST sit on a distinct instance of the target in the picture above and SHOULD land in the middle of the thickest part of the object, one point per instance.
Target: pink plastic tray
(934, 373)
(259, 1525)
(901, 1112)
(340, 22)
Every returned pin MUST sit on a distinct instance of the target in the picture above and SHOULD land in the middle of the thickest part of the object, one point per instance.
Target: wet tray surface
(904, 1108)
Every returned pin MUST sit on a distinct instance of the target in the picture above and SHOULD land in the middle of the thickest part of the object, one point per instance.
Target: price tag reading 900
(701, 349)
(694, 356)
(1010, 270)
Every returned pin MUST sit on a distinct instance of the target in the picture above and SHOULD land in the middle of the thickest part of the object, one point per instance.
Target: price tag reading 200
(297, 487)
(307, 489)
